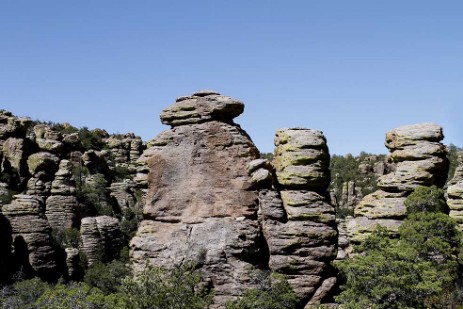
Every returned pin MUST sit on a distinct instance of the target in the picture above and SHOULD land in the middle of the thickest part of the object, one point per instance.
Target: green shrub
(274, 292)
(76, 295)
(106, 277)
(160, 288)
(66, 237)
(419, 269)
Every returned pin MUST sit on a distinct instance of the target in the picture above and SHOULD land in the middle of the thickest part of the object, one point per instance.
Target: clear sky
(352, 69)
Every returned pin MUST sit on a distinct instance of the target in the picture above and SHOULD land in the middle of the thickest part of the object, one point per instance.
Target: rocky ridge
(47, 181)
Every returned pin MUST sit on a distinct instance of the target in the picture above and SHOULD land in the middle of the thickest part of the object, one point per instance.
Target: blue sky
(352, 69)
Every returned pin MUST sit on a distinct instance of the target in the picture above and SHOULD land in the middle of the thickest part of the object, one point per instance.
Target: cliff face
(50, 180)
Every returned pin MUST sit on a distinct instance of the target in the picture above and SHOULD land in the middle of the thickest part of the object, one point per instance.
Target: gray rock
(30, 231)
(201, 107)
(100, 237)
(43, 162)
(301, 158)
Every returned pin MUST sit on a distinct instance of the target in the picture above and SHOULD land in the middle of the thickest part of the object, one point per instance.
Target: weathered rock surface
(199, 204)
(31, 238)
(420, 160)
(101, 238)
(455, 195)
(12, 126)
(298, 222)
(62, 211)
(200, 107)
(301, 158)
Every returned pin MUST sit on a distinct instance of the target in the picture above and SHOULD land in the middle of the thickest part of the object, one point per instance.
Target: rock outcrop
(199, 205)
(420, 160)
(298, 221)
(32, 243)
(455, 195)
(52, 176)
(101, 238)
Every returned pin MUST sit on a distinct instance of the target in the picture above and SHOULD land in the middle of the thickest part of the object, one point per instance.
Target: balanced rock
(43, 162)
(420, 160)
(200, 107)
(64, 183)
(48, 139)
(298, 222)
(455, 195)
(301, 157)
(199, 204)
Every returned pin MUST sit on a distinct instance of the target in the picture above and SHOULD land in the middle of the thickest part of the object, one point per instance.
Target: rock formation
(455, 195)
(101, 238)
(213, 201)
(34, 252)
(298, 221)
(420, 160)
(48, 183)
(199, 205)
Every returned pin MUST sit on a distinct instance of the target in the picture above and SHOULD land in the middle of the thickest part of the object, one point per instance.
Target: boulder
(301, 157)
(419, 160)
(43, 162)
(201, 107)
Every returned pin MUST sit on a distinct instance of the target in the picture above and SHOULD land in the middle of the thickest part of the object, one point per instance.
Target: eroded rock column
(199, 203)
(420, 160)
(298, 221)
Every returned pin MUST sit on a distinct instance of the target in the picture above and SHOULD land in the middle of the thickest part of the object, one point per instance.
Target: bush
(106, 277)
(76, 295)
(159, 288)
(417, 270)
(274, 292)
(66, 238)
(23, 294)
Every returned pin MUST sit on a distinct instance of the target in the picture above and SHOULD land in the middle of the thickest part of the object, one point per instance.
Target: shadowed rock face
(31, 239)
(200, 205)
(420, 160)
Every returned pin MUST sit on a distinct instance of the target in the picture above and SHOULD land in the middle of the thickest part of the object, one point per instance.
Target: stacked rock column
(420, 160)
(298, 221)
(455, 195)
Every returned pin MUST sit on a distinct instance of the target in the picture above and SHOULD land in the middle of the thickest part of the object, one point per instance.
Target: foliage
(106, 277)
(120, 173)
(129, 223)
(92, 139)
(23, 294)
(160, 288)
(66, 237)
(92, 193)
(274, 292)
(75, 295)
(267, 155)
(426, 199)
(64, 128)
(346, 168)
(419, 269)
